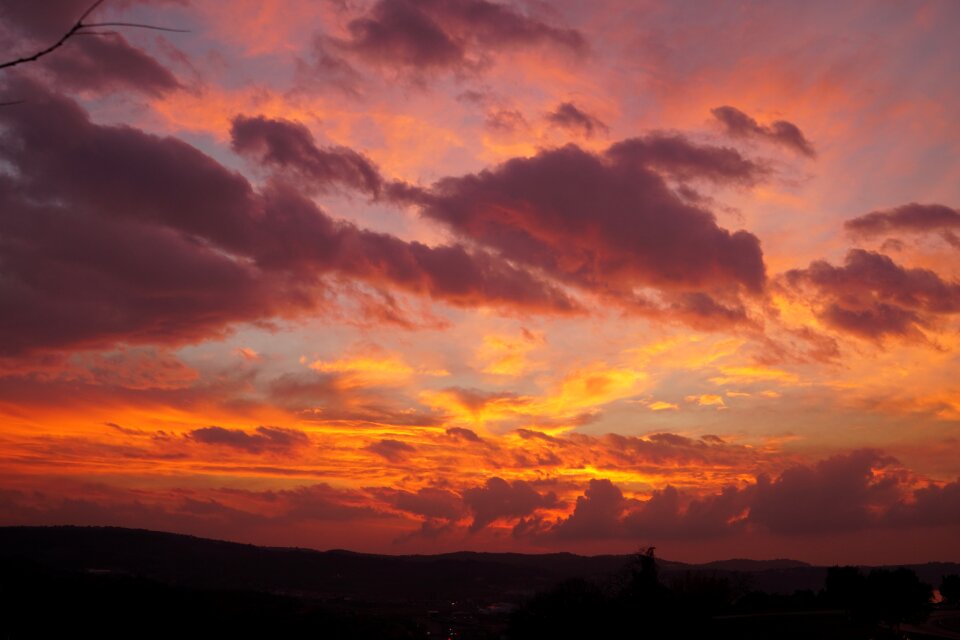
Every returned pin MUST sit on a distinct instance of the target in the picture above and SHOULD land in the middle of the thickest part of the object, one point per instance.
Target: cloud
(871, 296)
(428, 502)
(464, 434)
(226, 514)
(505, 355)
(448, 34)
(620, 250)
(740, 125)
(669, 514)
(505, 121)
(596, 515)
(263, 439)
(570, 117)
(908, 218)
(100, 249)
(570, 401)
(498, 499)
(325, 69)
(707, 400)
(856, 491)
(609, 223)
(317, 502)
(343, 396)
(102, 64)
(840, 493)
(123, 370)
(290, 145)
(372, 367)
(677, 157)
(935, 505)
(392, 450)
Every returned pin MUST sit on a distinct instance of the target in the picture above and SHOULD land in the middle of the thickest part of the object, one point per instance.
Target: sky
(416, 276)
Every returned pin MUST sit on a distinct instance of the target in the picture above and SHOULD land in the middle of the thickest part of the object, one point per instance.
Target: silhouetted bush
(705, 604)
(950, 589)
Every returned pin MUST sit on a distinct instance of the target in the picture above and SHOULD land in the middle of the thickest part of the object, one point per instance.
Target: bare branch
(89, 11)
(137, 25)
(76, 29)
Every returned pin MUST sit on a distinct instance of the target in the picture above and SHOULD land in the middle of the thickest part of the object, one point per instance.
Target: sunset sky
(415, 276)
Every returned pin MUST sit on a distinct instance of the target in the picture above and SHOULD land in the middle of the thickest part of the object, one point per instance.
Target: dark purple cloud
(398, 32)
(842, 493)
(290, 145)
(315, 502)
(392, 450)
(498, 499)
(575, 120)
(740, 125)
(324, 69)
(464, 434)
(92, 63)
(908, 218)
(607, 223)
(269, 439)
(872, 296)
(98, 246)
(206, 514)
(448, 34)
(506, 121)
(596, 515)
(675, 156)
(858, 491)
(429, 502)
(604, 512)
(934, 505)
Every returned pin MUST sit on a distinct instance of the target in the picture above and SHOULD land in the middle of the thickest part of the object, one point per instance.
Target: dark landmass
(118, 582)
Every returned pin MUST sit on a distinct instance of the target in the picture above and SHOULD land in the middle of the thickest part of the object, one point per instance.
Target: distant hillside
(211, 564)
(198, 562)
(742, 564)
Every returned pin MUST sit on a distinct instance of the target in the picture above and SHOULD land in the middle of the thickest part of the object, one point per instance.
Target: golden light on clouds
(309, 273)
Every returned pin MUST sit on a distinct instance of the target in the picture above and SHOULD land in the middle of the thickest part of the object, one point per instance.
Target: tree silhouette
(884, 596)
(950, 589)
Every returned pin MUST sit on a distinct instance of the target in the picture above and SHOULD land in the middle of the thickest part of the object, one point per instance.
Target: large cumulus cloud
(610, 223)
(114, 235)
(856, 491)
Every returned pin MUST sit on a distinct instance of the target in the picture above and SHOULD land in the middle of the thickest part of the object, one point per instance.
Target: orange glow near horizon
(609, 275)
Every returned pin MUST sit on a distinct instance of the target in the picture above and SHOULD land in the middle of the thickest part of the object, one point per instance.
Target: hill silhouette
(203, 563)
(109, 580)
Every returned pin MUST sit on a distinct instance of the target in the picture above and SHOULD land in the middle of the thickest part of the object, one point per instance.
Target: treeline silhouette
(40, 602)
(112, 583)
(698, 604)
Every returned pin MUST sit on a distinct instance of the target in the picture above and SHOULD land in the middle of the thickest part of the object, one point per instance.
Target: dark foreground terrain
(112, 582)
